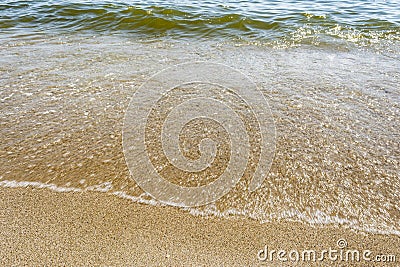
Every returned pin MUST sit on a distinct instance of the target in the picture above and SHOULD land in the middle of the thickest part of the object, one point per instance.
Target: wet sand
(42, 227)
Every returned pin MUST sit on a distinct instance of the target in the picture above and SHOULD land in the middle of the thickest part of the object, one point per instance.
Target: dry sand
(41, 227)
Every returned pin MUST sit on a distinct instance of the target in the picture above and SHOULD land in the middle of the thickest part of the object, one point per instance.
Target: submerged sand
(42, 227)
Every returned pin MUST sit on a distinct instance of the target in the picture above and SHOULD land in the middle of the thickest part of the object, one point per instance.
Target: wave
(198, 22)
(318, 218)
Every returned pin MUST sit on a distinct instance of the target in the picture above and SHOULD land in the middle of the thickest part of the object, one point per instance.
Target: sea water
(330, 72)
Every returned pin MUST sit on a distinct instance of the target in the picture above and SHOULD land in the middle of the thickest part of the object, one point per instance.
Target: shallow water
(335, 103)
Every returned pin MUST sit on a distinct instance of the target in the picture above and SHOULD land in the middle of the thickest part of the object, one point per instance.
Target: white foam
(139, 199)
(316, 218)
(103, 187)
(16, 184)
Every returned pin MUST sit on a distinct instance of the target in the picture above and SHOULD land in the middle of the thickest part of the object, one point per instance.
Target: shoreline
(42, 227)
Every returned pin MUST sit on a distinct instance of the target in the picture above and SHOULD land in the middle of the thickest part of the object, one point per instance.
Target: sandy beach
(198, 133)
(43, 228)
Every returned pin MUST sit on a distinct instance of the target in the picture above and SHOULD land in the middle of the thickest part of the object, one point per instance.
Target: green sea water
(292, 21)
